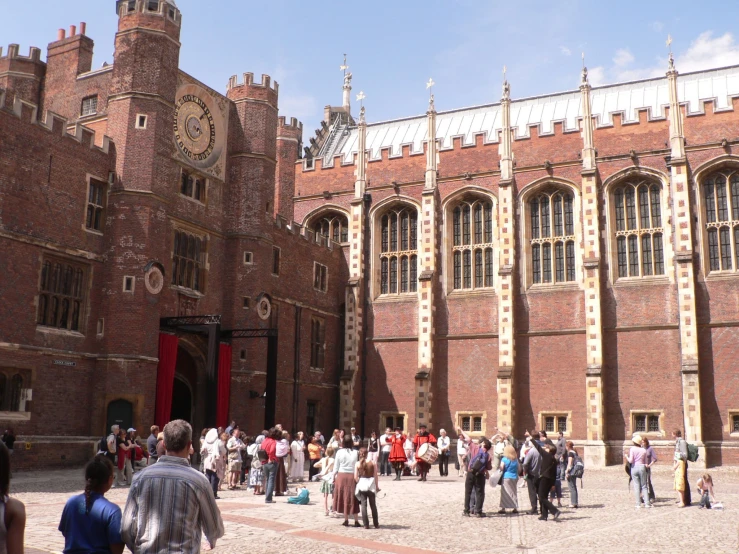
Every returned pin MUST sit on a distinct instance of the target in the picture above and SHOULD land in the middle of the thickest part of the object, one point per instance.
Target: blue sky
(394, 47)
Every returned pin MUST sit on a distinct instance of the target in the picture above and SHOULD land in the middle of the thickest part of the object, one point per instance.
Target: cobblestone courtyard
(427, 518)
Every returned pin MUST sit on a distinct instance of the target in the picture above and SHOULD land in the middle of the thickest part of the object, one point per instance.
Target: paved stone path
(425, 518)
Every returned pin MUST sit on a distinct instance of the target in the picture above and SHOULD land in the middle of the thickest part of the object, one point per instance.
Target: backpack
(103, 446)
(578, 467)
(692, 453)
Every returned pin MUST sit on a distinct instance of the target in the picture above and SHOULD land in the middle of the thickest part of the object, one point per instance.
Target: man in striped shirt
(169, 503)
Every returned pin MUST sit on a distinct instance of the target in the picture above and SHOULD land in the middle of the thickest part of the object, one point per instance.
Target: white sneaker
(638, 507)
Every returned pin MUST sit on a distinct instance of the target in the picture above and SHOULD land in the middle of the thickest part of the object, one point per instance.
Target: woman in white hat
(211, 454)
(637, 457)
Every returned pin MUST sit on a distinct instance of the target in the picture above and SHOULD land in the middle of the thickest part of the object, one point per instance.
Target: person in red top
(397, 454)
(423, 437)
(269, 445)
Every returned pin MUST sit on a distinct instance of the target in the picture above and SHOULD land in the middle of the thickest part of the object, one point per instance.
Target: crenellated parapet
(12, 55)
(265, 91)
(295, 229)
(165, 10)
(21, 76)
(291, 129)
(27, 113)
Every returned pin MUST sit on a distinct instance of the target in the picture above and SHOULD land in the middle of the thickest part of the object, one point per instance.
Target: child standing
(326, 475)
(705, 488)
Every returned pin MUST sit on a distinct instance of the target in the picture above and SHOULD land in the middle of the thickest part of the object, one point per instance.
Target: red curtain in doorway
(224, 385)
(165, 377)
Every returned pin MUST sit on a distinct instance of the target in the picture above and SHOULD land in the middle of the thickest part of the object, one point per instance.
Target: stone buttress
(684, 268)
(507, 261)
(355, 289)
(595, 450)
(426, 276)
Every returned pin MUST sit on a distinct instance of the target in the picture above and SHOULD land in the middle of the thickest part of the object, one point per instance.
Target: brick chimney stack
(67, 57)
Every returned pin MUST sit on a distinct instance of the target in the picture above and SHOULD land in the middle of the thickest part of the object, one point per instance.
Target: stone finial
(506, 86)
(431, 103)
(670, 58)
(584, 76)
(362, 120)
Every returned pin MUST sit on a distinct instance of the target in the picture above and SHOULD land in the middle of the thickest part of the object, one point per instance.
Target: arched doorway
(181, 400)
(186, 401)
(120, 412)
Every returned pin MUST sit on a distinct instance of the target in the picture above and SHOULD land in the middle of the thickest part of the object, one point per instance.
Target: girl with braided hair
(90, 522)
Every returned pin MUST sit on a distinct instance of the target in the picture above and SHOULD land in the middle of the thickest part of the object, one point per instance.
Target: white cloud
(657, 26)
(623, 57)
(705, 52)
(597, 76)
(565, 51)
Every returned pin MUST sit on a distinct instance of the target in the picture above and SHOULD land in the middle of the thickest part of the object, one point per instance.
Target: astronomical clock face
(199, 127)
(194, 128)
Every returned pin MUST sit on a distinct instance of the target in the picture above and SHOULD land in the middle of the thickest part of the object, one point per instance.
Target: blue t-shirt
(94, 532)
(511, 469)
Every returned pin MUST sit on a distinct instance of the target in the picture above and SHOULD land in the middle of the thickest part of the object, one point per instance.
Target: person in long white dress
(297, 452)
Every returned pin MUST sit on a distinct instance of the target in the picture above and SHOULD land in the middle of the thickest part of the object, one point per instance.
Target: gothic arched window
(638, 229)
(721, 198)
(472, 244)
(332, 225)
(398, 250)
(552, 239)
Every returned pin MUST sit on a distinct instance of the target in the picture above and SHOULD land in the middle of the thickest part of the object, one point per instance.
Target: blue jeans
(270, 473)
(572, 484)
(641, 484)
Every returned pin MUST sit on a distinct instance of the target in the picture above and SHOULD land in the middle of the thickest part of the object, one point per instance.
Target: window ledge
(571, 285)
(636, 281)
(55, 331)
(390, 298)
(191, 199)
(650, 435)
(92, 231)
(319, 290)
(187, 292)
(721, 275)
(490, 291)
(15, 416)
(317, 370)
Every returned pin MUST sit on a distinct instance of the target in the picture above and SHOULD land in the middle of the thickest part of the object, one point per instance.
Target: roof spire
(346, 104)
(670, 59)
(506, 86)
(429, 86)
(584, 77)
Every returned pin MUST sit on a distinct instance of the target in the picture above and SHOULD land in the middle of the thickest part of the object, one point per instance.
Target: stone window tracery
(96, 198)
(472, 244)
(399, 251)
(318, 343)
(552, 239)
(61, 295)
(334, 226)
(721, 199)
(188, 258)
(638, 229)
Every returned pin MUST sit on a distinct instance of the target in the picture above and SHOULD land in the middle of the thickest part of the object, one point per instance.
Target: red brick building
(142, 210)
(568, 261)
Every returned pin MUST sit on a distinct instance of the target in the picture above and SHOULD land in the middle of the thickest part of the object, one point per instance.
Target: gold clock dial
(194, 128)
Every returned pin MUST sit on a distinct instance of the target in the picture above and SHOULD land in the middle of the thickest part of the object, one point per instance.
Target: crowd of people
(171, 505)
